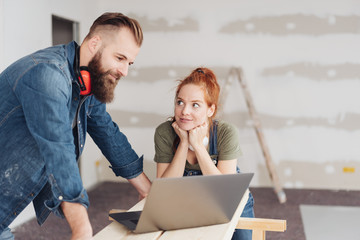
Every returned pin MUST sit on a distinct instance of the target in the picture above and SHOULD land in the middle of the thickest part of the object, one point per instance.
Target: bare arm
(207, 166)
(142, 184)
(78, 219)
(176, 167)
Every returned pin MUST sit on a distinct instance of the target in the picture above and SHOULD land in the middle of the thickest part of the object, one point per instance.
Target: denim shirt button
(81, 145)
(79, 122)
(61, 198)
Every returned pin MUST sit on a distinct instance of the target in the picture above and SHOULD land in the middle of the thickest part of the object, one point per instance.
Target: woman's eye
(179, 102)
(196, 105)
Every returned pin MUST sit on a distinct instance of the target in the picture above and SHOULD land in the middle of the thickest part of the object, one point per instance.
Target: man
(46, 110)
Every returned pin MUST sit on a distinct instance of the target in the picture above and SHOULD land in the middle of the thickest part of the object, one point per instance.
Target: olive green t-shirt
(228, 146)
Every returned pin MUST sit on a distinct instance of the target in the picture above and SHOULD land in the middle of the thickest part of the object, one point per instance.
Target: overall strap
(213, 139)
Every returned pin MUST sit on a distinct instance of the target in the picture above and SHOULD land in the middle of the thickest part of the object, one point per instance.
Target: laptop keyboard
(135, 221)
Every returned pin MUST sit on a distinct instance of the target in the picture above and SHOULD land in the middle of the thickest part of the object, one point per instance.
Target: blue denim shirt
(43, 125)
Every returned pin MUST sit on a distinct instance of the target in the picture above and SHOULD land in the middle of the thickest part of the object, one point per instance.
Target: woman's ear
(211, 110)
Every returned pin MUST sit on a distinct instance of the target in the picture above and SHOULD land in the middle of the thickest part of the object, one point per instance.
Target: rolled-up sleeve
(53, 204)
(112, 142)
(130, 170)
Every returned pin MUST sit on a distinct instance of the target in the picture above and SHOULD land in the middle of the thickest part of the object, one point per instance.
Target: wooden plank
(112, 231)
(142, 236)
(258, 235)
(276, 225)
(219, 231)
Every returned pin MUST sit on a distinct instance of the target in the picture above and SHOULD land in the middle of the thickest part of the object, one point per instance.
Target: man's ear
(211, 110)
(94, 44)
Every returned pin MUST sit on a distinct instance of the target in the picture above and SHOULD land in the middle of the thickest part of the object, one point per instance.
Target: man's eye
(196, 105)
(179, 102)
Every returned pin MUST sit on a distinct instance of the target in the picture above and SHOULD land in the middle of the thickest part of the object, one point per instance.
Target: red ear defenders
(82, 74)
(85, 81)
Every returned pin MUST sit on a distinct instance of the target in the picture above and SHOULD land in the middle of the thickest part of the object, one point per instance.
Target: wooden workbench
(217, 232)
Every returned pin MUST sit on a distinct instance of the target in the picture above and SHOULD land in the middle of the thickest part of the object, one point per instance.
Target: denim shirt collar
(70, 49)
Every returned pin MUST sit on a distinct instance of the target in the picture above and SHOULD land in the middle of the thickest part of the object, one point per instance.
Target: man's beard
(102, 85)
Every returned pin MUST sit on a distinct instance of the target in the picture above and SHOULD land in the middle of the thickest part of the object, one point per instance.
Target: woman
(193, 143)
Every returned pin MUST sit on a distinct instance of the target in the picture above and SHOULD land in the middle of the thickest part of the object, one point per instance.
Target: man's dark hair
(111, 21)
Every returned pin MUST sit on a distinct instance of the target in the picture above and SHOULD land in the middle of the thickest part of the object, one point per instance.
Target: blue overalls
(248, 211)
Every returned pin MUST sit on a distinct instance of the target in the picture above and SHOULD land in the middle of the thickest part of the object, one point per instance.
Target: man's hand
(142, 184)
(78, 219)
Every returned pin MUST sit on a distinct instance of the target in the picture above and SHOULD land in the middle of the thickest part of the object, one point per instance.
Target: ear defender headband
(83, 75)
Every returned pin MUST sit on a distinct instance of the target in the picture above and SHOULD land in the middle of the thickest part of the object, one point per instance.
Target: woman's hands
(193, 137)
(183, 135)
(197, 135)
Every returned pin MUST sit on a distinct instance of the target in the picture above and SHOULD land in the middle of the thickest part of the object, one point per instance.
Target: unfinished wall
(300, 61)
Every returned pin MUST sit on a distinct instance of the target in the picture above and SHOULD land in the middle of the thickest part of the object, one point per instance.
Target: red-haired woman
(193, 143)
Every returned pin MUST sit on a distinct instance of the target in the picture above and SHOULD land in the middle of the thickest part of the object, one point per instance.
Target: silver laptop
(185, 202)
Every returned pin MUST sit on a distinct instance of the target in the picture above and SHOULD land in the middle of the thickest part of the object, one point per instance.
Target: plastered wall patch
(329, 169)
(295, 24)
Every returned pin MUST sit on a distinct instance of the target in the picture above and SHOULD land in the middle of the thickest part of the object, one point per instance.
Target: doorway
(64, 30)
